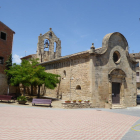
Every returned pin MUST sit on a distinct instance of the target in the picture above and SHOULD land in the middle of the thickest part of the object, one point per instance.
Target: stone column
(51, 50)
(122, 94)
(110, 91)
(58, 49)
(40, 48)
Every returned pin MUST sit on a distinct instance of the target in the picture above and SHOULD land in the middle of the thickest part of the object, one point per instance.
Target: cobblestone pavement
(38, 123)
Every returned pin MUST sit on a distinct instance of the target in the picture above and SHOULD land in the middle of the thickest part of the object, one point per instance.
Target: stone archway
(116, 84)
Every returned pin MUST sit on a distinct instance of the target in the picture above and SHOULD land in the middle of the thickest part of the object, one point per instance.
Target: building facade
(105, 74)
(6, 42)
(137, 57)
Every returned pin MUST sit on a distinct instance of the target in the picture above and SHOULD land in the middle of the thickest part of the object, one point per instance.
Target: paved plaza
(44, 123)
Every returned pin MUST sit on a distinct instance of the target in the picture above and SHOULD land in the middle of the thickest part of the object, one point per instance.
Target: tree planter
(107, 105)
(22, 102)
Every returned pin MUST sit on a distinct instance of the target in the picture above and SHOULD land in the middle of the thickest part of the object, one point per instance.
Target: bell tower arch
(47, 41)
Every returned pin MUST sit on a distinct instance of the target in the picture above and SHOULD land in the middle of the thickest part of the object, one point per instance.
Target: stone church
(105, 74)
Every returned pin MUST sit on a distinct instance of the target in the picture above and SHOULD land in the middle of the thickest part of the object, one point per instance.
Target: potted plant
(22, 99)
(67, 101)
(87, 101)
(74, 101)
(80, 101)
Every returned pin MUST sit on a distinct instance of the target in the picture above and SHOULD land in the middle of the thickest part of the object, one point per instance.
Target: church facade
(106, 74)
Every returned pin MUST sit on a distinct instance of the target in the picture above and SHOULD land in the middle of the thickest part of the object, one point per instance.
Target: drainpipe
(71, 78)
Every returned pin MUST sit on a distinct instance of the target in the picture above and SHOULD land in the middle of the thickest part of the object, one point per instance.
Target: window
(1, 60)
(116, 56)
(137, 65)
(64, 73)
(137, 73)
(3, 35)
(78, 87)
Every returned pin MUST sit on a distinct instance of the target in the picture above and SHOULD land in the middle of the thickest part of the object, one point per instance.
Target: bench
(41, 101)
(6, 97)
(14, 96)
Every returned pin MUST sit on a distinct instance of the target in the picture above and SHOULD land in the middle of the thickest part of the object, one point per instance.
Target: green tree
(30, 73)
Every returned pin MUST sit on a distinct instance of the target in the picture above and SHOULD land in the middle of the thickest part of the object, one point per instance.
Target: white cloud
(16, 59)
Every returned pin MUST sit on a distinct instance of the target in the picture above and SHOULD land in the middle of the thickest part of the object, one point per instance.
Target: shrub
(22, 98)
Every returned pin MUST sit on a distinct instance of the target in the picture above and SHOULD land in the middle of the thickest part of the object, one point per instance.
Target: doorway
(115, 93)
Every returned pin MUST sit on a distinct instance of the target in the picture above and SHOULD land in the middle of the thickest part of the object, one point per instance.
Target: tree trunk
(38, 91)
(24, 91)
(31, 89)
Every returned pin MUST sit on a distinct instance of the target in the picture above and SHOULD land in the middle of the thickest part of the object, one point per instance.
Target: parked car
(138, 99)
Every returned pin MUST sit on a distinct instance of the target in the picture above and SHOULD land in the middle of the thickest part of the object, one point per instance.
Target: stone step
(117, 106)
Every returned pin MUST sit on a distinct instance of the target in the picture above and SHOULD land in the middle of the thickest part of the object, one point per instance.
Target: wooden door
(115, 92)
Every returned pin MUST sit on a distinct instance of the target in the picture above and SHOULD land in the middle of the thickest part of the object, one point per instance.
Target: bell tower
(47, 41)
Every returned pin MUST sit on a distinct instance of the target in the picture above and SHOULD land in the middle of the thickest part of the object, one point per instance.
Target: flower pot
(22, 102)
(79, 101)
(86, 101)
(74, 101)
(67, 101)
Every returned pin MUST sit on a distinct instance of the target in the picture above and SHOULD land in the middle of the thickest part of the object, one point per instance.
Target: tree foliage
(30, 73)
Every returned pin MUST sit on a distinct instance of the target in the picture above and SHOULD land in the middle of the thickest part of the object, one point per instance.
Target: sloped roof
(7, 27)
(66, 57)
(29, 56)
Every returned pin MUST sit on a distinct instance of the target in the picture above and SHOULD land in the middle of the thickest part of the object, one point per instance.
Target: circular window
(116, 57)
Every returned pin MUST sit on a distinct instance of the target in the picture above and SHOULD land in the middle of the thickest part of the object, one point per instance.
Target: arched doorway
(116, 86)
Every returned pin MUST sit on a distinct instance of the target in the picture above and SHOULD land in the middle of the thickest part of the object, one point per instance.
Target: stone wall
(103, 64)
(74, 72)
(138, 88)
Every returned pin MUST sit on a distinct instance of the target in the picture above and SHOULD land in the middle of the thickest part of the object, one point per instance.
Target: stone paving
(37, 123)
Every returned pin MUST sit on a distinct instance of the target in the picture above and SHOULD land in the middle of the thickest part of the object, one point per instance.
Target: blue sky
(78, 23)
